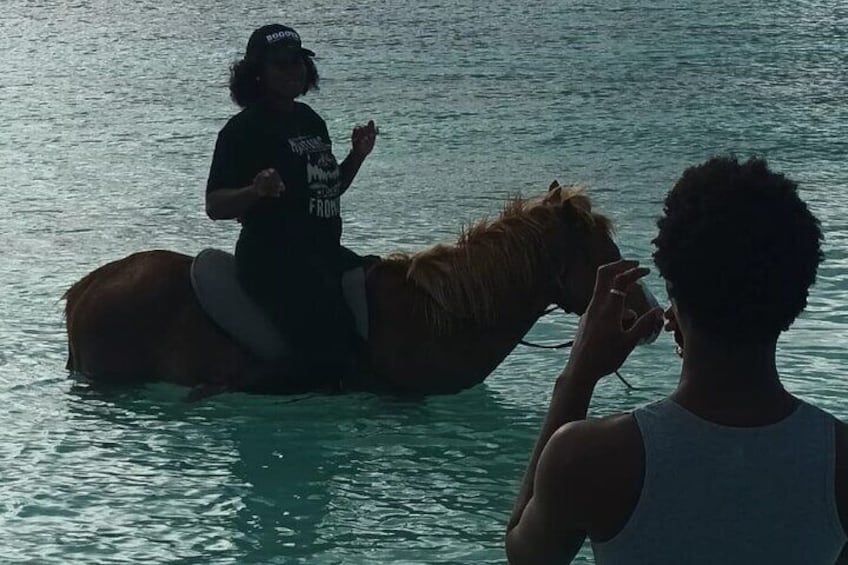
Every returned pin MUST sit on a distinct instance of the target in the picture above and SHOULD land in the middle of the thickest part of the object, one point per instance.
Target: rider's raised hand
(268, 183)
(362, 139)
(608, 331)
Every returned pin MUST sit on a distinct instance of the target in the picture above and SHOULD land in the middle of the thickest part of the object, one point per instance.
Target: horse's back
(119, 267)
(142, 269)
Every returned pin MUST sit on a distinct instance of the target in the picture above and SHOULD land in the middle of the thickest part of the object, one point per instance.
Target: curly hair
(244, 84)
(738, 248)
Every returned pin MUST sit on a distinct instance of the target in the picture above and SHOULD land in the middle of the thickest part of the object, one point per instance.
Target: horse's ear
(554, 194)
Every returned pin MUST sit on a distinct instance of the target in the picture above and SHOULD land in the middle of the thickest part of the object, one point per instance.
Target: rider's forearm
(349, 168)
(230, 203)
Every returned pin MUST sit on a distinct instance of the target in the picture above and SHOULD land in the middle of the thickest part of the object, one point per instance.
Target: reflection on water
(383, 480)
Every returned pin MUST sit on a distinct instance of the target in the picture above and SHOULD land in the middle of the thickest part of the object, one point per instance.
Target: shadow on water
(319, 478)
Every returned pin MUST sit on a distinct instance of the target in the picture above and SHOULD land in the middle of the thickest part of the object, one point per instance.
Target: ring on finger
(617, 292)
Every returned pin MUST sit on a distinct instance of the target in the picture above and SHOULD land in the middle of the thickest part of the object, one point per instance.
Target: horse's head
(588, 244)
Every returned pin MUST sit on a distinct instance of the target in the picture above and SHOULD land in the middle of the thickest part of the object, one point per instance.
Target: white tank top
(722, 495)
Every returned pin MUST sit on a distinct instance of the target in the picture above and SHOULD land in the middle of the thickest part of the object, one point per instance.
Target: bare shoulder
(596, 439)
(603, 459)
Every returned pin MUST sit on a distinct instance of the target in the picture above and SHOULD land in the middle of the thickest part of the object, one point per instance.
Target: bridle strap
(562, 345)
(565, 344)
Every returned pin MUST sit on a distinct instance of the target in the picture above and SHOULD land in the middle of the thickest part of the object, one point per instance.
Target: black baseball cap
(272, 37)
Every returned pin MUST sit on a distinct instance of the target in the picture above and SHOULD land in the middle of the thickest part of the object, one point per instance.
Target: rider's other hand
(268, 183)
(362, 139)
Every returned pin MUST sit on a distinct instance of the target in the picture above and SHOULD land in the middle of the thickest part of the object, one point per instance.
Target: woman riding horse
(274, 170)
(439, 321)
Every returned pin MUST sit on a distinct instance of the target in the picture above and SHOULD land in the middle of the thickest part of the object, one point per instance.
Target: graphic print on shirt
(322, 175)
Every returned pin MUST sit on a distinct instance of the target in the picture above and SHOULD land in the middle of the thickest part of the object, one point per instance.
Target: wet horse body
(440, 320)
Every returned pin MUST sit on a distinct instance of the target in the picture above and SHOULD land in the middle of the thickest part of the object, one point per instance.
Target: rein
(565, 344)
(539, 346)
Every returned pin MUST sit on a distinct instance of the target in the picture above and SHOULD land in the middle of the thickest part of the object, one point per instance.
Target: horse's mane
(495, 259)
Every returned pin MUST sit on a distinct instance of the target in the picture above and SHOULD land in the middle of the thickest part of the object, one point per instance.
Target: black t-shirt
(305, 218)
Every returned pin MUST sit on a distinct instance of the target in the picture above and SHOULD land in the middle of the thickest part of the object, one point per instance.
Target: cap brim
(291, 48)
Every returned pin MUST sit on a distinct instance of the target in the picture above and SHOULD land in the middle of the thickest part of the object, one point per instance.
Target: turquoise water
(110, 110)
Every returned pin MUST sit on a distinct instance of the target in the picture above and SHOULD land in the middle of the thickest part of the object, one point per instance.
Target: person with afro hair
(731, 467)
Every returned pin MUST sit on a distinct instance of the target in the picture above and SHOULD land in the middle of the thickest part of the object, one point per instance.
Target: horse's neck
(520, 310)
(409, 348)
(519, 305)
(433, 325)
(490, 280)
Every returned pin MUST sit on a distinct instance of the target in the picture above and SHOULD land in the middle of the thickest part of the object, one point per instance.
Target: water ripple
(115, 118)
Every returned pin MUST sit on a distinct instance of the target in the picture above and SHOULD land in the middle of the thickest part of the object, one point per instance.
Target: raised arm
(548, 520)
(544, 526)
(362, 143)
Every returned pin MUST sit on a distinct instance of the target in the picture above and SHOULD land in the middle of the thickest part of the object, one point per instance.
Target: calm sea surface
(109, 113)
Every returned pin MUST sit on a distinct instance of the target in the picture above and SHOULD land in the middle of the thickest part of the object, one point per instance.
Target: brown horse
(440, 320)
